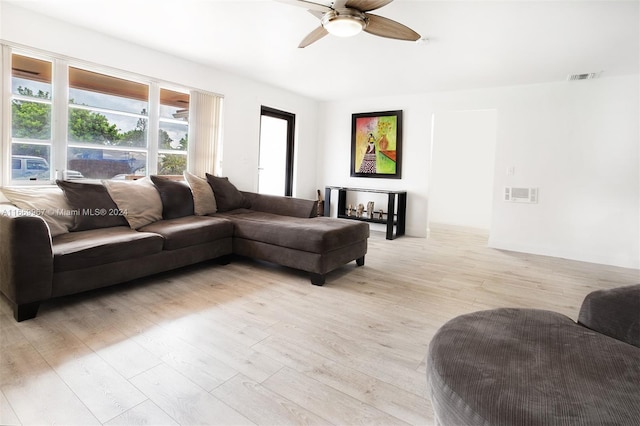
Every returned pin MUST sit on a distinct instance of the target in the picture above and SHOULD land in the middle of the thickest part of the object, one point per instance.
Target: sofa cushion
(227, 195)
(49, 203)
(286, 206)
(176, 197)
(316, 235)
(190, 230)
(137, 199)
(204, 202)
(84, 249)
(94, 206)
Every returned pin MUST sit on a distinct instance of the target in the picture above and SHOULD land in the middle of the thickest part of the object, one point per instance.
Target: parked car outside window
(29, 167)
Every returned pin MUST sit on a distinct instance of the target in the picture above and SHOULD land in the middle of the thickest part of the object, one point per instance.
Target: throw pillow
(176, 197)
(93, 205)
(204, 201)
(227, 195)
(138, 200)
(49, 203)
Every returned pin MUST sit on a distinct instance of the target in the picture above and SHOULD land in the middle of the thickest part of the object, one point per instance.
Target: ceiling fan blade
(367, 5)
(308, 4)
(313, 36)
(316, 13)
(385, 27)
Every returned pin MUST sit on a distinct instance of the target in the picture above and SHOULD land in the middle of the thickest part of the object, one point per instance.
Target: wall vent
(587, 76)
(521, 195)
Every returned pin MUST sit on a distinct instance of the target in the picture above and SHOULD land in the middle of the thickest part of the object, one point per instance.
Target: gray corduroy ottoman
(535, 367)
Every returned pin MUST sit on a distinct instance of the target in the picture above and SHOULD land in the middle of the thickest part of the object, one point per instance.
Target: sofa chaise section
(285, 231)
(316, 245)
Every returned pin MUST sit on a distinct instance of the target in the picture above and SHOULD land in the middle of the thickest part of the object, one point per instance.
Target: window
(31, 104)
(100, 126)
(173, 135)
(107, 125)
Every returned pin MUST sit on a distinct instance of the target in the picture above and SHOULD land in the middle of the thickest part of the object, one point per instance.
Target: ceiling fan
(346, 18)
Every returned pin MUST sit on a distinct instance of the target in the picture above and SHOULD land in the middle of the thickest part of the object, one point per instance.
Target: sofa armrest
(285, 206)
(614, 312)
(26, 258)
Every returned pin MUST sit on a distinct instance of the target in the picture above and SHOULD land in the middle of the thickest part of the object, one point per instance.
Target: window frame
(7, 121)
(59, 142)
(161, 119)
(290, 118)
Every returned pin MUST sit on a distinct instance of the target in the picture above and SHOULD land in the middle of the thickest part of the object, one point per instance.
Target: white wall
(243, 97)
(462, 168)
(578, 142)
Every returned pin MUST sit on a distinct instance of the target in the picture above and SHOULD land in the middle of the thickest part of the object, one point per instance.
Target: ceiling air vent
(587, 76)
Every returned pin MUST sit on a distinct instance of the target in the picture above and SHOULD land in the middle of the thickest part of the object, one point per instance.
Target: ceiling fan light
(344, 26)
(344, 22)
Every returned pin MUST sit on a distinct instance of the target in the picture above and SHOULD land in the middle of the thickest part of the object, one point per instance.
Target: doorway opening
(275, 165)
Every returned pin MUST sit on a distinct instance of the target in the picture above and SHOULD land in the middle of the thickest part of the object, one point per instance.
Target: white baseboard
(599, 258)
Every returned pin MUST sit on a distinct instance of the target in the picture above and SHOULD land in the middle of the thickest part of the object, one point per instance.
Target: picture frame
(376, 144)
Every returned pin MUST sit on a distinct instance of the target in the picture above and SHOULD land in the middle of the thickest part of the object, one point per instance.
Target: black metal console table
(393, 218)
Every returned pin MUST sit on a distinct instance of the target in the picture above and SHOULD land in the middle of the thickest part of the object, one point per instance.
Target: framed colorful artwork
(376, 144)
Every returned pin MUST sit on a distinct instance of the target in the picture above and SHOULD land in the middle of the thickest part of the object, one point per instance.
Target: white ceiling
(472, 44)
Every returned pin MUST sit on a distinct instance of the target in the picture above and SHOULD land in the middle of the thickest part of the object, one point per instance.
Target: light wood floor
(254, 343)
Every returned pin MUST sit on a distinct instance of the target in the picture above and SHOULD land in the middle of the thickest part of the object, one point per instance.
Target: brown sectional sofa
(35, 267)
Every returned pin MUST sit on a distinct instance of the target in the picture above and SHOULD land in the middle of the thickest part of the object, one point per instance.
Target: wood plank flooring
(254, 343)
